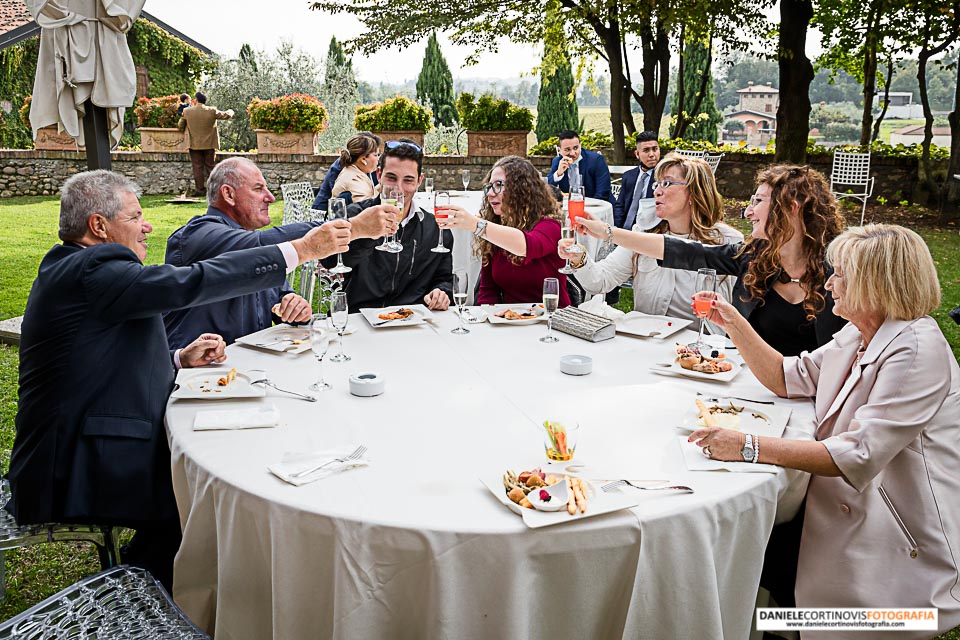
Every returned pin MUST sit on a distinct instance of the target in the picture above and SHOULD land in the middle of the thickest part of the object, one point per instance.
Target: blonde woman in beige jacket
(881, 526)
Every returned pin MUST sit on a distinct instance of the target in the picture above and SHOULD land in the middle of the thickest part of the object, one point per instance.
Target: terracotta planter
(497, 143)
(416, 136)
(49, 140)
(304, 143)
(160, 140)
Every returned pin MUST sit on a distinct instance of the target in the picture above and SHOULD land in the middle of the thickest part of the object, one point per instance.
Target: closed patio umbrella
(84, 63)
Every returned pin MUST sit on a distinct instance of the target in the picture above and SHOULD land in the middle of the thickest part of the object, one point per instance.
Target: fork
(269, 383)
(356, 455)
(616, 484)
(704, 396)
(270, 344)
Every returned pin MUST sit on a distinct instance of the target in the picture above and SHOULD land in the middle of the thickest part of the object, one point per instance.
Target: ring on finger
(706, 452)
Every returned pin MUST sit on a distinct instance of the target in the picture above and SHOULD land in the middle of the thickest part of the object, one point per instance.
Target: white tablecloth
(463, 258)
(413, 546)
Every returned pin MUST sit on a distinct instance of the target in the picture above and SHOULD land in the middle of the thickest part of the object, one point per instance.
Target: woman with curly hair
(359, 159)
(516, 234)
(780, 270)
(688, 207)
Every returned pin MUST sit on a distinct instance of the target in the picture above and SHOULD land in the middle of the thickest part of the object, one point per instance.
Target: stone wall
(34, 173)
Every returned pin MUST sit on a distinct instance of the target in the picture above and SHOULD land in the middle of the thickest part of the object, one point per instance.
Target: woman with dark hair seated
(780, 270)
(516, 234)
(359, 159)
(878, 528)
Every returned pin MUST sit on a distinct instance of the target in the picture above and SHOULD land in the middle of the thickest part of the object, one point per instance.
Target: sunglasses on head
(396, 144)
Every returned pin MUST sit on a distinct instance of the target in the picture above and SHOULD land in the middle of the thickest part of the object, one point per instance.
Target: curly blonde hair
(819, 223)
(526, 201)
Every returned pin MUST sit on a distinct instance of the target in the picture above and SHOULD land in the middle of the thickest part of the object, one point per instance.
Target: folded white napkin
(695, 460)
(260, 418)
(296, 462)
(598, 306)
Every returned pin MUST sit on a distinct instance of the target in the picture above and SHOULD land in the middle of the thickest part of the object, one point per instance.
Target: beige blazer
(200, 121)
(886, 533)
(354, 180)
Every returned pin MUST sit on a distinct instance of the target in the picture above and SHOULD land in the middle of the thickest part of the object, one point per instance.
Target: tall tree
(556, 106)
(435, 85)
(950, 192)
(796, 74)
(340, 95)
(694, 106)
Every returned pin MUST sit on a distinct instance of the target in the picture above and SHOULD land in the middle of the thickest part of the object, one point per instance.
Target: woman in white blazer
(881, 526)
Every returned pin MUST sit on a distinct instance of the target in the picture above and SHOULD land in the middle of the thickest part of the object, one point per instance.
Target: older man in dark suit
(96, 371)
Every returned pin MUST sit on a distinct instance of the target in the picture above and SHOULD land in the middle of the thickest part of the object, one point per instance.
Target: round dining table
(413, 545)
(463, 256)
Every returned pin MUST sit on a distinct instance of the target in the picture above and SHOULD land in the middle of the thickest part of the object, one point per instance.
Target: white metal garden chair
(308, 270)
(297, 198)
(852, 170)
(690, 153)
(713, 160)
(615, 185)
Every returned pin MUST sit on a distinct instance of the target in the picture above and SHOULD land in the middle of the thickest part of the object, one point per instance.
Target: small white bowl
(559, 494)
(576, 365)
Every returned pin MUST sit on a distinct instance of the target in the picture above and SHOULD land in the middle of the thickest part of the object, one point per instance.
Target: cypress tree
(556, 105)
(435, 85)
(696, 61)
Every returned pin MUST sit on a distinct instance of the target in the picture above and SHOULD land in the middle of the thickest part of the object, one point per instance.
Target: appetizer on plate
(510, 314)
(400, 314)
(695, 361)
(518, 488)
(227, 379)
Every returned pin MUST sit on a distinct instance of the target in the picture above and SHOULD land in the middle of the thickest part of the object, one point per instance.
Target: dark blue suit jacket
(95, 375)
(208, 236)
(326, 188)
(628, 184)
(594, 176)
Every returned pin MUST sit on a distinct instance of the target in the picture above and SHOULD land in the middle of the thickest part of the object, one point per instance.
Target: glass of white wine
(428, 185)
(551, 299)
(394, 197)
(339, 316)
(460, 288)
(568, 233)
(337, 210)
(319, 344)
(465, 178)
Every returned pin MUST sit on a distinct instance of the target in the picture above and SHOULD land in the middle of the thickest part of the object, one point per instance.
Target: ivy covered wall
(172, 67)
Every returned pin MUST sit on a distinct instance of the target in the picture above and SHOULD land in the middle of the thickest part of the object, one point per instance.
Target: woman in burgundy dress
(516, 234)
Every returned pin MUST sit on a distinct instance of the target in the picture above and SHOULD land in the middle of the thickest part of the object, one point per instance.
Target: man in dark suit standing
(575, 166)
(96, 371)
(637, 185)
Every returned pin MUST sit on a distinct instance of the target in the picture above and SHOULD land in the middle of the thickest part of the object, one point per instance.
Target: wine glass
(392, 196)
(706, 293)
(551, 298)
(428, 185)
(465, 178)
(460, 289)
(339, 315)
(568, 232)
(337, 210)
(440, 200)
(319, 343)
(575, 205)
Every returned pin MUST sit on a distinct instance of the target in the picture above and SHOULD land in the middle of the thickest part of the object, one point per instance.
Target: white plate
(493, 310)
(284, 338)
(598, 503)
(475, 315)
(674, 369)
(420, 315)
(759, 419)
(640, 324)
(201, 384)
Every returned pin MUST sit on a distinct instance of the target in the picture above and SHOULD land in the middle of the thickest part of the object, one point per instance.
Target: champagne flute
(319, 343)
(337, 210)
(551, 298)
(465, 178)
(428, 185)
(339, 315)
(460, 289)
(567, 233)
(392, 196)
(440, 200)
(706, 293)
(575, 205)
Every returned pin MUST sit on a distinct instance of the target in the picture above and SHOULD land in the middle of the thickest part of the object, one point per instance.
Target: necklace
(785, 278)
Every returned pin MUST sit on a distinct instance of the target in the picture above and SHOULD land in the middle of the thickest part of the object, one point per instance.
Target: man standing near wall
(200, 121)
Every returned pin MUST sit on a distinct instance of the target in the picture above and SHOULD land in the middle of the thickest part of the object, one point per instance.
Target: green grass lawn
(28, 228)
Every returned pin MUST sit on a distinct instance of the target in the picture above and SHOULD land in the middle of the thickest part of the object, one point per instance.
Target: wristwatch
(481, 228)
(749, 453)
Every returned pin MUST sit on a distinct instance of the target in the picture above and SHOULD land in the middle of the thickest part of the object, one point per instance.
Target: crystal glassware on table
(575, 205)
(567, 233)
(319, 344)
(394, 197)
(460, 289)
(706, 294)
(441, 200)
(428, 185)
(465, 178)
(339, 316)
(560, 439)
(551, 299)
(337, 210)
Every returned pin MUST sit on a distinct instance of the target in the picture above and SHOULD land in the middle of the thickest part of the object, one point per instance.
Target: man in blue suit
(574, 166)
(96, 369)
(637, 185)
